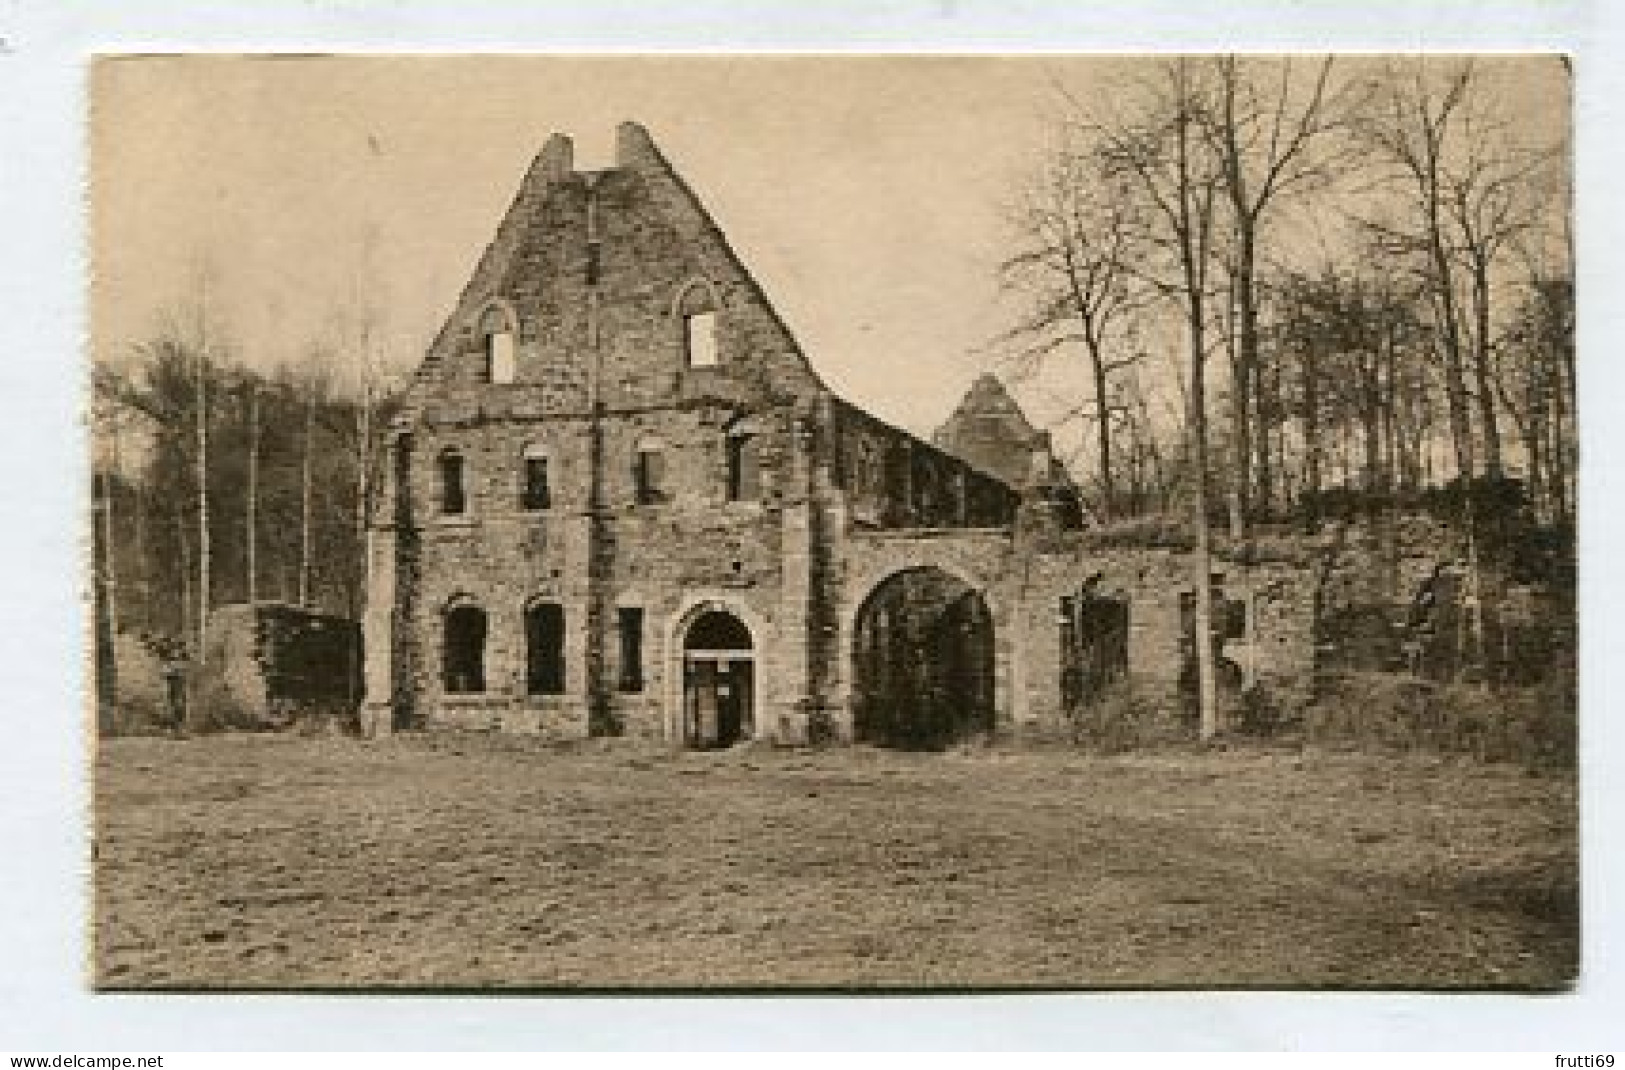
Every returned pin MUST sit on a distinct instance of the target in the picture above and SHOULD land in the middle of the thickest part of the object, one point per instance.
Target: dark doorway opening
(463, 653)
(544, 649)
(719, 681)
(922, 662)
(1094, 647)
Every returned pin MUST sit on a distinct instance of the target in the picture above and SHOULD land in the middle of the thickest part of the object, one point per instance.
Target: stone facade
(614, 444)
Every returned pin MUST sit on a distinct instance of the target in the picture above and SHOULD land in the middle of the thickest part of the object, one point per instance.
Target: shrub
(1535, 725)
(1123, 718)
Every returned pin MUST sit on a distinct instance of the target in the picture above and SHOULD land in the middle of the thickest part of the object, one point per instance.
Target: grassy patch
(490, 861)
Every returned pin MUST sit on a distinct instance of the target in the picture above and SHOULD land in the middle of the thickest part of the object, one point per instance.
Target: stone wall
(268, 664)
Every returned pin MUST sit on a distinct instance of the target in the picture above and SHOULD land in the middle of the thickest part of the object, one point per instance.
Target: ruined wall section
(597, 272)
(538, 209)
(659, 241)
(269, 664)
(989, 430)
(893, 480)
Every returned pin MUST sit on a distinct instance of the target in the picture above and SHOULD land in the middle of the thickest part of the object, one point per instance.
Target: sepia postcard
(812, 522)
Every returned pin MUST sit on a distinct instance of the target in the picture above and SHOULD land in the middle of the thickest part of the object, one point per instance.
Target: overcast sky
(864, 193)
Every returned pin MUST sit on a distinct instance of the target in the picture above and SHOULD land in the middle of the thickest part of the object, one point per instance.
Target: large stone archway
(923, 661)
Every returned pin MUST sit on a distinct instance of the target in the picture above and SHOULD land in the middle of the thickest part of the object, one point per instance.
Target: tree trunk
(1103, 432)
(1481, 367)
(251, 535)
(1266, 394)
(363, 489)
(187, 631)
(109, 535)
(107, 641)
(1245, 365)
(1311, 436)
(305, 520)
(1206, 681)
(204, 547)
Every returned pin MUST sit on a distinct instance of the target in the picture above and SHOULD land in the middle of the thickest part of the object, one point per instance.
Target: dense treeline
(208, 472)
(1370, 260)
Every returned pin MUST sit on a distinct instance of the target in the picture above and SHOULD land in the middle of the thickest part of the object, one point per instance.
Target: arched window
(697, 308)
(535, 491)
(544, 649)
(649, 471)
(463, 650)
(453, 495)
(497, 338)
(744, 467)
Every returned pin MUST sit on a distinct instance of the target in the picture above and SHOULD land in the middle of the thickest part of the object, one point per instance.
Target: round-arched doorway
(922, 662)
(719, 681)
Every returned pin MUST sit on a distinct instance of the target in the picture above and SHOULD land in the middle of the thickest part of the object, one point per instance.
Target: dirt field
(472, 861)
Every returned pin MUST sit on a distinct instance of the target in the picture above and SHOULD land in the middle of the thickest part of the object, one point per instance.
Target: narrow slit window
(630, 625)
(744, 468)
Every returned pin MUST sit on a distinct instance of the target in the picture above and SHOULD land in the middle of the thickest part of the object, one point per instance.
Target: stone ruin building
(621, 501)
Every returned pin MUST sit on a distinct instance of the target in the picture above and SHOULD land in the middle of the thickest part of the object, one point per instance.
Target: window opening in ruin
(1094, 647)
(718, 681)
(463, 651)
(453, 498)
(629, 620)
(744, 467)
(544, 649)
(497, 332)
(700, 339)
(534, 493)
(649, 472)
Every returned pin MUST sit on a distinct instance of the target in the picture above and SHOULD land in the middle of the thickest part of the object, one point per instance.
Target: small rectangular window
(700, 339)
(630, 620)
(648, 473)
(536, 494)
(452, 499)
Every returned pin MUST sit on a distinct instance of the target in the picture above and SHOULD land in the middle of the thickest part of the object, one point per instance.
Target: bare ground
(281, 862)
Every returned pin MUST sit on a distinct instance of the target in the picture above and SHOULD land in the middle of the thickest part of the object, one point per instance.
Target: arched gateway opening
(718, 681)
(922, 662)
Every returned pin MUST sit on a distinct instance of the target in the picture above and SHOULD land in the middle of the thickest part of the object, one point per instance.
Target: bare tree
(1270, 127)
(1078, 235)
(1489, 202)
(204, 542)
(252, 496)
(1421, 111)
(107, 414)
(1162, 154)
